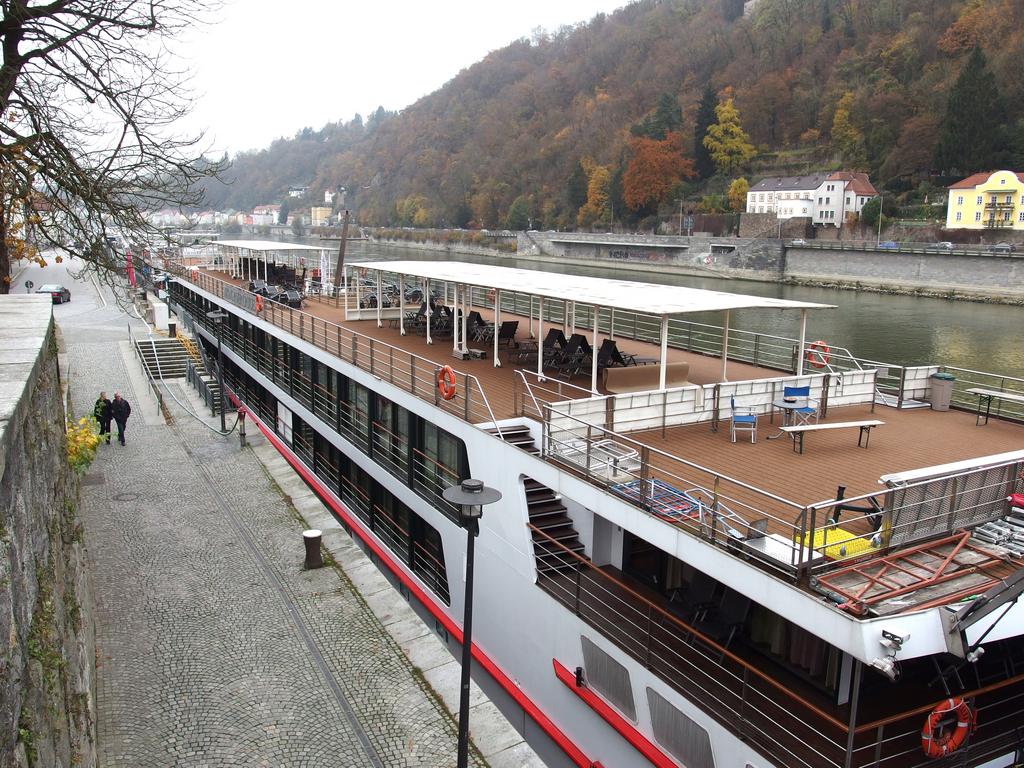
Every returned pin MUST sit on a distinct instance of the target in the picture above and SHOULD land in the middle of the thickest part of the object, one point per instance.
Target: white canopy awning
(650, 298)
(267, 245)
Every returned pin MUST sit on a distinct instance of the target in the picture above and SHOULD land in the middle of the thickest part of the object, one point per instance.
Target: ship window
(681, 736)
(325, 461)
(609, 678)
(355, 490)
(391, 437)
(302, 440)
(355, 416)
(438, 465)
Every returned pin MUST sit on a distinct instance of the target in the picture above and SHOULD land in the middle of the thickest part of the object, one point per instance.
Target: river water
(903, 330)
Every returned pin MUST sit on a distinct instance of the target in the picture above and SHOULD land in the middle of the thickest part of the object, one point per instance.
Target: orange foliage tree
(654, 168)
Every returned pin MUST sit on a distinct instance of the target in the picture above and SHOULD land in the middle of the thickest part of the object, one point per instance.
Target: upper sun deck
(669, 452)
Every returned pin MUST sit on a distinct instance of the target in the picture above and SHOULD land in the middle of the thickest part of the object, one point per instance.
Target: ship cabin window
(325, 393)
(355, 490)
(302, 378)
(302, 441)
(439, 462)
(327, 460)
(355, 414)
(390, 433)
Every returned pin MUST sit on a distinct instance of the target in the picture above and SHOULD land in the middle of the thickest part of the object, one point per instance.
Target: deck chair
(477, 328)
(802, 415)
(507, 332)
(692, 603)
(742, 420)
(608, 356)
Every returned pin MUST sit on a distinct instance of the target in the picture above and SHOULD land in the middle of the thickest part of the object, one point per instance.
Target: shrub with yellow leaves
(83, 437)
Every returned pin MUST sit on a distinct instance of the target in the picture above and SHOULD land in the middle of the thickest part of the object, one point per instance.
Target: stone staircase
(162, 358)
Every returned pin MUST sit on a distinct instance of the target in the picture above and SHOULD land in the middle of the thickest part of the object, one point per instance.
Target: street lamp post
(680, 216)
(878, 240)
(218, 317)
(470, 496)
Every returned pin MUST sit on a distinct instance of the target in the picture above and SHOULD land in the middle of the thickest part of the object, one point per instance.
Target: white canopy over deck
(662, 301)
(243, 257)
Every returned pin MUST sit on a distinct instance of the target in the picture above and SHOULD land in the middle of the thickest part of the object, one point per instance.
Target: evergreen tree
(282, 214)
(667, 117)
(576, 189)
(972, 132)
(518, 217)
(702, 161)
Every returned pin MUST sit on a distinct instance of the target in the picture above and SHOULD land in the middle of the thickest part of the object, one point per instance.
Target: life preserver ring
(490, 295)
(446, 382)
(259, 303)
(937, 741)
(818, 354)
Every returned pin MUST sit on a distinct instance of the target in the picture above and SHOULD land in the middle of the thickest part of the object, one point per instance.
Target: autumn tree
(703, 163)
(89, 100)
(518, 217)
(972, 134)
(655, 167)
(596, 209)
(737, 194)
(726, 141)
(845, 136)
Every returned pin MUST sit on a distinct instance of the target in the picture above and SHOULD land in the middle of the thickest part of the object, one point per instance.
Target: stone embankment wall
(47, 659)
(700, 255)
(449, 249)
(991, 276)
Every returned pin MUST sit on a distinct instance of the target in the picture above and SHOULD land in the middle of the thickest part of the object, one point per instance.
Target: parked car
(889, 245)
(945, 244)
(58, 293)
(1002, 248)
(798, 241)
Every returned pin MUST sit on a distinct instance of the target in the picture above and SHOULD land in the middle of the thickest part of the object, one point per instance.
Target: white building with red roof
(825, 198)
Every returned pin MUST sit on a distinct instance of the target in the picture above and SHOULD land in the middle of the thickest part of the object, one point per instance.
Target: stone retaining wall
(47, 715)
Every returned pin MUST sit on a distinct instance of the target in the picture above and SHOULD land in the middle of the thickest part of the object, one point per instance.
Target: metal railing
(756, 706)
(406, 370)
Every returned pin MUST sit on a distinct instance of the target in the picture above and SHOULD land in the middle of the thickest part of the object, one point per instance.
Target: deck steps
(550, 520)
(518, 435)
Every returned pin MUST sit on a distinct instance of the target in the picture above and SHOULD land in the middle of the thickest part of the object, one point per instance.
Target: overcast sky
(270, 68)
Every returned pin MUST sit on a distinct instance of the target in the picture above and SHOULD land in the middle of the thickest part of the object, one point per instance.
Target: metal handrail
(274, 312)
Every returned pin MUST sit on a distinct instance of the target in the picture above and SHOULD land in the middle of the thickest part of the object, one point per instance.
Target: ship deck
(700, 454)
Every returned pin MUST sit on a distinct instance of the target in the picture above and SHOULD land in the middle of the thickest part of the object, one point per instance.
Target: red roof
(980, 178)
(858, 183)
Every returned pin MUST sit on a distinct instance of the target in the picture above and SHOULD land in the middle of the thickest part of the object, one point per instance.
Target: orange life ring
(945, 741)
(446, 382)
(490, 295)
(818, 354)
(259, 303)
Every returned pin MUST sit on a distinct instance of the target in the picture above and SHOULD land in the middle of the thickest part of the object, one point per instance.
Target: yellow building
(993, 200)
(319, 215)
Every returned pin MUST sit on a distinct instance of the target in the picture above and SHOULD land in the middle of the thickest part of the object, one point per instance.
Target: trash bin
(941, 390)
(172, 329)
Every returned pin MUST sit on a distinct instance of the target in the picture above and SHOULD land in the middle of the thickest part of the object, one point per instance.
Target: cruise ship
(714, 548)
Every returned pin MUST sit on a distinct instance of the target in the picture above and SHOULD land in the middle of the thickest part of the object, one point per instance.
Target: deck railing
(759, 708)
(410, 372)
(806, 539)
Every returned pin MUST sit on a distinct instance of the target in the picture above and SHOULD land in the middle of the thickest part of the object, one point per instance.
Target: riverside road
(214, 646)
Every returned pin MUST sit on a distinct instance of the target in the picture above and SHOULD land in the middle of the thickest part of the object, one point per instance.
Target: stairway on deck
(549, 518)
(517, 435)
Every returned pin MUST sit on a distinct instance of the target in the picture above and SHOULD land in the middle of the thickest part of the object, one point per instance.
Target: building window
(959, 215)
(977, 216)
(1009, 198)
(1020, 217)
(978, 201)
(959, 199)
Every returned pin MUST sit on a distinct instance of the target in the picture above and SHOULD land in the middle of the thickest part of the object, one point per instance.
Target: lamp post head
(217, 316)
(471, 496)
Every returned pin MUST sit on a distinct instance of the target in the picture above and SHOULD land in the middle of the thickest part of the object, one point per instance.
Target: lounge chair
(507, 332)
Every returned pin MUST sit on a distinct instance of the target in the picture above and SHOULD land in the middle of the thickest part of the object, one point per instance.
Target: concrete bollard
(311, 539)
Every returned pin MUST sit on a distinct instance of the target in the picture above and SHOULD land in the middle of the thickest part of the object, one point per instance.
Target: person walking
(102, 413)
(120, 410)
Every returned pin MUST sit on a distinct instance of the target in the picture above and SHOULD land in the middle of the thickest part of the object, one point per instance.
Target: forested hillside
(608, 119)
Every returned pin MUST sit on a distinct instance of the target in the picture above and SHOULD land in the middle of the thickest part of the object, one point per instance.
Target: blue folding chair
(742, 421)
(805, 414)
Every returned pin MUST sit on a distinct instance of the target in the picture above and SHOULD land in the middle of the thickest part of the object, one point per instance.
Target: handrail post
(645, 474)
(851, 733)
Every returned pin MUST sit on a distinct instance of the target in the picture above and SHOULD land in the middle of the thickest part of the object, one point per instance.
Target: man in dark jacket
(120, 410)
(102, 413)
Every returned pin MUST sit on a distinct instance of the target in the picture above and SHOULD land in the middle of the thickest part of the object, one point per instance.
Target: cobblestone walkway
(214, 647)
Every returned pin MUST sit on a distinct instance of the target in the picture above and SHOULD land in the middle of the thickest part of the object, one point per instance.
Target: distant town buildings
(297, 191)
(318, 215)
(824, 198)
(992, 200)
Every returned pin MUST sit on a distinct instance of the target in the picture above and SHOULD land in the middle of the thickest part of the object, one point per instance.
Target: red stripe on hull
(536, 714)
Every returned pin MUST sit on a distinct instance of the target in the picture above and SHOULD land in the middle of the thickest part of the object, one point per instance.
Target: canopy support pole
(497, 325)
(401, 305)
(611, 323)
(359, 301)
(430, 311)
(593, 353)
(664, 351)
(531, 317)
(725, 346)
(803, 343)
(380, 297)
(467, 296)
(540, 336)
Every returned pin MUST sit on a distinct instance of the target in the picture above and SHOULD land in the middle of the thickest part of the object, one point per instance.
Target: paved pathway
(214, 647)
